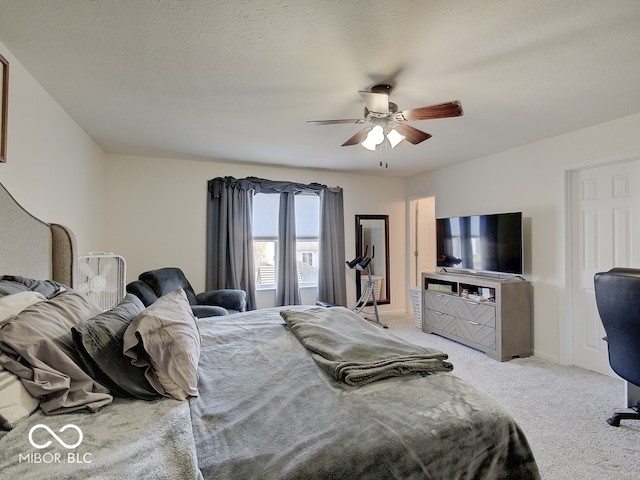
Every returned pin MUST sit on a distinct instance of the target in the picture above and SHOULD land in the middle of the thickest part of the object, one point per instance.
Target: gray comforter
(266, 411)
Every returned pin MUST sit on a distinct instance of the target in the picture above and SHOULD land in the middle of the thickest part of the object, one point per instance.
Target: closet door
(422, 235)
(605, 222)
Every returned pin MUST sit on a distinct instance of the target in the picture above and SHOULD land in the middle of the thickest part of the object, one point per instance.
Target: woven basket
(416, 304)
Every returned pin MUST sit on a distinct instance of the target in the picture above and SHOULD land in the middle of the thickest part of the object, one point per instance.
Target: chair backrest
(618, 300)
(166, 280)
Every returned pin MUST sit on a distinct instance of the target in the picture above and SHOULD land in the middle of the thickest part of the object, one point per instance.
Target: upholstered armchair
(153, 284)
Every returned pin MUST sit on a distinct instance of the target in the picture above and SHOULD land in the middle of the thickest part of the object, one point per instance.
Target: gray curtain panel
(287, 292)
(230, 237)
(332, 282)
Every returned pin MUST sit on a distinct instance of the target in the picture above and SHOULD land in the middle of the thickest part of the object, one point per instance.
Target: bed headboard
(32, 248)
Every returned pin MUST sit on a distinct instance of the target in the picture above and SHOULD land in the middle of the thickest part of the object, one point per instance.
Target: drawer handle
(439, 313)
(473, 303)
(473, 323)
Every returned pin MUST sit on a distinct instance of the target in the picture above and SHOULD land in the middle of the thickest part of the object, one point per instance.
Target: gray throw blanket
(355, 352)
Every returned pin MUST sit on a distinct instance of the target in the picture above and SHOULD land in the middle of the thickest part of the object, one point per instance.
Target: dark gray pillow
(13, 283)
(99, 345)
(9, 287)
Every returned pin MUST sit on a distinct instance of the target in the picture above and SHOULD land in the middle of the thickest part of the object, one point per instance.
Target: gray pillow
(10, 284)
(39, 349)
(99, 345)
(165, 340)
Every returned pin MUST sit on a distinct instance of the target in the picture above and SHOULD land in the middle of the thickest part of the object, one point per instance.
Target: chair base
(614, 420)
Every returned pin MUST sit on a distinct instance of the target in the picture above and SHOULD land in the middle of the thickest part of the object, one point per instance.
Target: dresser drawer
(435, 321)
(440, 302)
(480, 313)
(482, 335)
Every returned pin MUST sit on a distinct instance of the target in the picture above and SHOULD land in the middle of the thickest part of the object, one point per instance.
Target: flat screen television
(481, 243)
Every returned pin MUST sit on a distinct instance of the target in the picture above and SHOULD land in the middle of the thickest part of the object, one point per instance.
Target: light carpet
(562, 409)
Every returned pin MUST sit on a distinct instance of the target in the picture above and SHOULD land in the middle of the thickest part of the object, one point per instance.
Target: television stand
(475, 273)
(490, 314)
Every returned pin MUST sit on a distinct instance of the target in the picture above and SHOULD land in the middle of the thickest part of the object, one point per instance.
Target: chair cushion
(230, 299)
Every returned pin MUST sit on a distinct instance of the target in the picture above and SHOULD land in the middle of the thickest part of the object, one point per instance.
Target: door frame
(566, 343)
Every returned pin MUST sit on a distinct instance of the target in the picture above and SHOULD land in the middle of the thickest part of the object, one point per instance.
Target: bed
(281, 393)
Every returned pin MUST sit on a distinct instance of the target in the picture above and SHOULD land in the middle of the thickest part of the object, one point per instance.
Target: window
(308, 238)
(265, 238)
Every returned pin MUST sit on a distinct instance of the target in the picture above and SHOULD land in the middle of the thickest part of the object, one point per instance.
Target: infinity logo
(52, 433)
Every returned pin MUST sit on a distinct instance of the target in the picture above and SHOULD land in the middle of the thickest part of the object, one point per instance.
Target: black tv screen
(487, 243)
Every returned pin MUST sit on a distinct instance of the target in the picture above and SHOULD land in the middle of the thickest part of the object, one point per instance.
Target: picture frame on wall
(4, 106)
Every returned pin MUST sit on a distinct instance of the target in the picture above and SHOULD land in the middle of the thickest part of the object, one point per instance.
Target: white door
(605, 228)
(422, 230)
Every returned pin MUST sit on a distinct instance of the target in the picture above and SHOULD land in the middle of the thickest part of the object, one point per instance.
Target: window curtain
(230, 238)
(287, 284)
(229, 250)
(332, 282)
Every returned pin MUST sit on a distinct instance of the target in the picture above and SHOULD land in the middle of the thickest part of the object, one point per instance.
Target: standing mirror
(372, 240)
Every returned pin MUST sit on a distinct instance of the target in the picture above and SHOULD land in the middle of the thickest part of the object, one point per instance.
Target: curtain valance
(262, 185)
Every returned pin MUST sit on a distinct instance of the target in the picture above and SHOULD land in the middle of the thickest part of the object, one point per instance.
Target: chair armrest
(228, 298)
(203, 311)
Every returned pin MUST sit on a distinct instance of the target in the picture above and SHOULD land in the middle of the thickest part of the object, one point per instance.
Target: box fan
(102, 276)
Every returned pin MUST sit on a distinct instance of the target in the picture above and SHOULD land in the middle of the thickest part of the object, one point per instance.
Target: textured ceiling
(235, 80)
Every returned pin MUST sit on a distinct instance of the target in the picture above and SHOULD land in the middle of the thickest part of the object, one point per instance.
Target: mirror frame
(360, 252)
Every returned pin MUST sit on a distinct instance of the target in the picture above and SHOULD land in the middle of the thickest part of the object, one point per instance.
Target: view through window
(265, 238)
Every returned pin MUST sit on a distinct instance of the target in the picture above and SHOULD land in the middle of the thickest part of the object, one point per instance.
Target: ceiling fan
(386, 120)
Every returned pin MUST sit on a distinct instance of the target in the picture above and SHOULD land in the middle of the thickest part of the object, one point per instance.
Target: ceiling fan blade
(358, 137)
(443, 110)
(376, 102)
(335, 122)
(412, 135)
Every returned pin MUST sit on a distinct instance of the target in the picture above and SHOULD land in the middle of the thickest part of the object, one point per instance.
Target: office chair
(618, 300)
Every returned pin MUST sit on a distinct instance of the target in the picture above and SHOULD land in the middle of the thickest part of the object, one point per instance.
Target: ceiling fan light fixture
(387, 121)
(394, 137)
(374, 138)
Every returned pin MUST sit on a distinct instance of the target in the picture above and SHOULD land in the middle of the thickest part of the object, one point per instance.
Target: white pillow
(16, 403)
(13, 304)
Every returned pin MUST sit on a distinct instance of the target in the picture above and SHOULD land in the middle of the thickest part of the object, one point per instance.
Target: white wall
(152, 211)
(53, 169)
(157, 207)
(531, 179)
